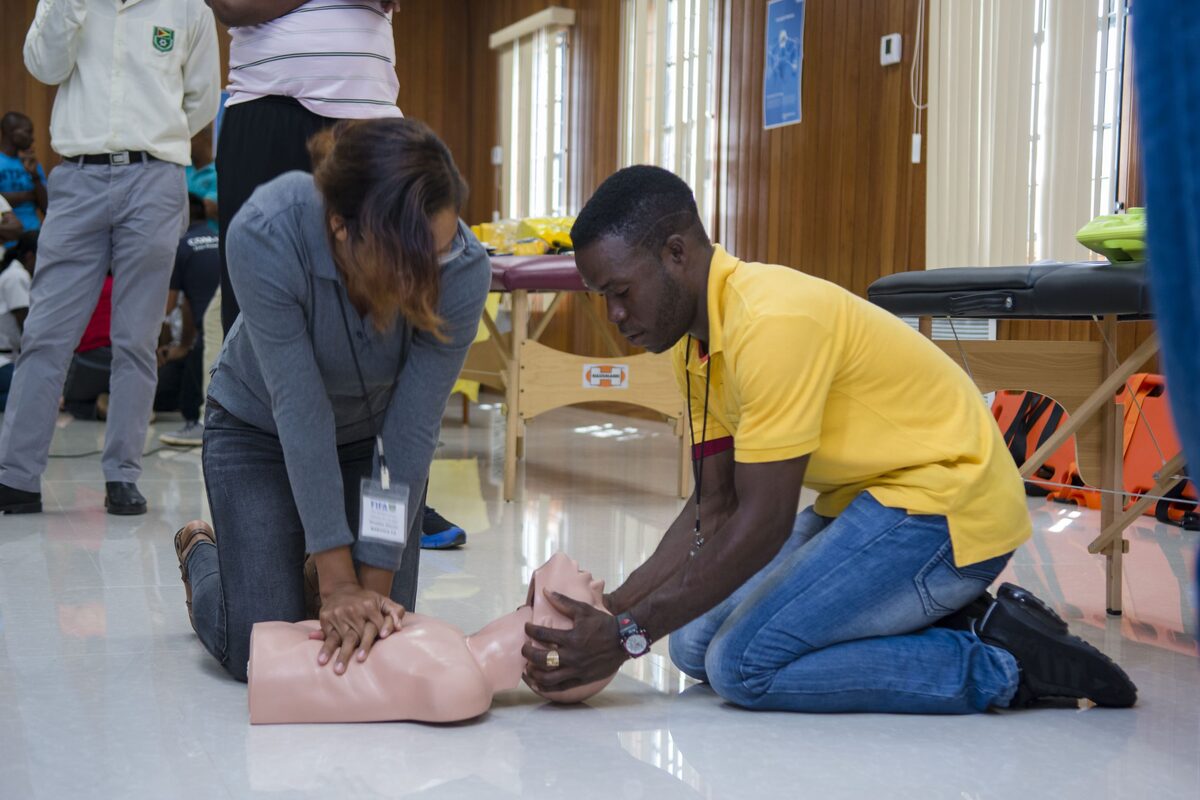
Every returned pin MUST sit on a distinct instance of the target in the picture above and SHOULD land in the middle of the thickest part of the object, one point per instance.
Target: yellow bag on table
(471, 388)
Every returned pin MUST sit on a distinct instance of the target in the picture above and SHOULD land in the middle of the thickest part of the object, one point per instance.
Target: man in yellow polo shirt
(875, 598)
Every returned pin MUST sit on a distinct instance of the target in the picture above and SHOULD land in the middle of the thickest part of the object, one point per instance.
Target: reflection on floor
(104, 691)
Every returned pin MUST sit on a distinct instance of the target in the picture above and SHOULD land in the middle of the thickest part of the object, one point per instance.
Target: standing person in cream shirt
(136, 80)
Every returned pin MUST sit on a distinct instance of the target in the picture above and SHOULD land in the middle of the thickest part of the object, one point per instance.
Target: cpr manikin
(428, 671)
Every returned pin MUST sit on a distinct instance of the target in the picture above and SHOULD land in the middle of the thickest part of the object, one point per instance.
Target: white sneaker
(190, 435)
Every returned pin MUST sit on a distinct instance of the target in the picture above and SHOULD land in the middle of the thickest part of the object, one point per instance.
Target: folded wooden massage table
(536, 378)
(1083, 377)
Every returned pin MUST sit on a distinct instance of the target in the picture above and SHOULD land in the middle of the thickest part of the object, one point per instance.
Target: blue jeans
(1166, 52)
(841, 622)
(256, 571)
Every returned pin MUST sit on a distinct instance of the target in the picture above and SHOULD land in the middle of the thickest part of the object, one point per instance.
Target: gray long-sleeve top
(287, 369)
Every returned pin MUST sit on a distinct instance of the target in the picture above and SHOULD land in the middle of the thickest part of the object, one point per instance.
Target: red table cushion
(536, 274)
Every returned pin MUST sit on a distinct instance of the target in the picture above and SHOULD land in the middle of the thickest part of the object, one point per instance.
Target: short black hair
(12, 119)
(26, 243)
(643, 205)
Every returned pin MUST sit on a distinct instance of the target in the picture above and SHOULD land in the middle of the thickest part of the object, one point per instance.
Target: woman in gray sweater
(360, 293)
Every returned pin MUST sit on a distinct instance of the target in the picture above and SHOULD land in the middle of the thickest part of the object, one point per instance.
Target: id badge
(384, 515)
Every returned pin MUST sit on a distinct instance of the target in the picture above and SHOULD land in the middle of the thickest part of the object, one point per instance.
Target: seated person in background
(22, 179)
(15, 279)
(181, 360)
(85, 394)
(425, 671)
(10, 227)
(202, 176)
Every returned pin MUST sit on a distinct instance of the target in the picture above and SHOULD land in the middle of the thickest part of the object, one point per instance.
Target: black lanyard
(697, 463)
(384, 477)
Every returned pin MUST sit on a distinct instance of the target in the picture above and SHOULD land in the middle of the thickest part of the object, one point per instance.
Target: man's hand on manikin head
(589, 651)
(563, 597)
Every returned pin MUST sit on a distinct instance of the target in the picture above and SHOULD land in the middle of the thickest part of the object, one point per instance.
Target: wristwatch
(633, 636)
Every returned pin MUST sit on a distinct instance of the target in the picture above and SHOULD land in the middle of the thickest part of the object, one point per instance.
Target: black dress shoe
(14, 501)
(1053, 662)
(123, 499)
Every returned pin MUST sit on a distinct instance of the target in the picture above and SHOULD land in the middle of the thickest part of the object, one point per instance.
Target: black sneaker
(438, 533)
(1053, 662)
(968, 616)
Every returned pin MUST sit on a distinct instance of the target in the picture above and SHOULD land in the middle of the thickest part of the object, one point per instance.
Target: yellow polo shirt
(799, 366)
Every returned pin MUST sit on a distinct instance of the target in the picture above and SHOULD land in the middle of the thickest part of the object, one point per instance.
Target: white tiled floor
(104, 691)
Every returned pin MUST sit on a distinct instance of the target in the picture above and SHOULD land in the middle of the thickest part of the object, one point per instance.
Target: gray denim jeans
(256, 571)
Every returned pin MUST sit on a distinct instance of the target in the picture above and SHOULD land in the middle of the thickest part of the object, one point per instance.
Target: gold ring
(552, 659)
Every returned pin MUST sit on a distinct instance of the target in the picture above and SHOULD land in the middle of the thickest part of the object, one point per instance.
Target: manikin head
(640, 242)
(562, 574)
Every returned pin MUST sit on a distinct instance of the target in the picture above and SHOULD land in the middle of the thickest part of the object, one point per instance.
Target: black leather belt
(121, 159)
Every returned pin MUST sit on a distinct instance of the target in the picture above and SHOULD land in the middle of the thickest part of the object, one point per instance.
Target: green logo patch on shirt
(164, 39)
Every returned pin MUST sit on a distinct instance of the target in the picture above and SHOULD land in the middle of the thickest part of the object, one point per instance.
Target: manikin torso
(428, 671)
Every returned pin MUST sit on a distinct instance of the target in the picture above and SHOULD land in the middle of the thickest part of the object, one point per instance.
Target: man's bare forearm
(16, 198)
(251, 12)
(670, 555)
(767, 496)
(715, 572)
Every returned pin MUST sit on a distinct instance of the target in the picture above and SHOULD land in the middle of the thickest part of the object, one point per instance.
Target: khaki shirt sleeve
(783, 368)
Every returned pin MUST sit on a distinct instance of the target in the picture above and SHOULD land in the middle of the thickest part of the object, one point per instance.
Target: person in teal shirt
(22, 179)
(202, 175)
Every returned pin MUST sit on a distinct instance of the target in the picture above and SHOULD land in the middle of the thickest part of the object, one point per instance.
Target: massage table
(536, 378)
(1084, 377)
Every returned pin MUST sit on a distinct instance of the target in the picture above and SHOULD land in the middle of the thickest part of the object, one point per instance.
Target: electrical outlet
(889, 49)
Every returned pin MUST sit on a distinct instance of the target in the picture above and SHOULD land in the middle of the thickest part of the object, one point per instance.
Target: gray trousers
(128, 219)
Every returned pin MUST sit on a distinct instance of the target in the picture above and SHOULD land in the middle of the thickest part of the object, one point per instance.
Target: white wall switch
(889, 49)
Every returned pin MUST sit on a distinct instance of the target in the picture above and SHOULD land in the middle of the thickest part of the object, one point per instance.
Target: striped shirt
(337, 57)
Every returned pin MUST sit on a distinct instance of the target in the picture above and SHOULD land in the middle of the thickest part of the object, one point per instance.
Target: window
(533, 107)
(668, 69)
(1103, 82)
(1110, 33)
(1024, 109)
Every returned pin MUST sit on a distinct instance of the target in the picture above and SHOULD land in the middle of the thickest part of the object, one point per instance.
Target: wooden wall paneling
(835, 195)
(857, 129)
(876, 185)
(19, 91)
(435, 74)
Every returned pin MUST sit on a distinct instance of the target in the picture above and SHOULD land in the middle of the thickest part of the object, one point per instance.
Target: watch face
(636, 644)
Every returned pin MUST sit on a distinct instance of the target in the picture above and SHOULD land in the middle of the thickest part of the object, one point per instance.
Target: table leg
(1112, 476)
(512, 392)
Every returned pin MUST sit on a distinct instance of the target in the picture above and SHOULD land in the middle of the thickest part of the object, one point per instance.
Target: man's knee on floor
(687, 654)
(733, 678)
